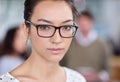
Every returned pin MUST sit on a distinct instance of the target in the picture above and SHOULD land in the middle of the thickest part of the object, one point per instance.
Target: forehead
(52, 10)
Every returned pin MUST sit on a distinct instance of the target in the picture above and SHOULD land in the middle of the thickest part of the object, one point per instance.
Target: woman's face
(56, 13)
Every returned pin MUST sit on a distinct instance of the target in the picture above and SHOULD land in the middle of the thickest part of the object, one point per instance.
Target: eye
(67, 28)
(44, 27)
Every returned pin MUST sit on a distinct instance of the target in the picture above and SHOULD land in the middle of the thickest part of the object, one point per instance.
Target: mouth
(56, 50)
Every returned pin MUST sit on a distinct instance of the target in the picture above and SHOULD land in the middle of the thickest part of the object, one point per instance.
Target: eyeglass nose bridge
(57, 28)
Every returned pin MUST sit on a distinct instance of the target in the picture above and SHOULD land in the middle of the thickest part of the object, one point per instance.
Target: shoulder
(7, 78)
(104, 43)
(73, 76)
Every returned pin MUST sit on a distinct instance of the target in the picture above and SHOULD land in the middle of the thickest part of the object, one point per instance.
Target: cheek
(67, 42)
(38, 43)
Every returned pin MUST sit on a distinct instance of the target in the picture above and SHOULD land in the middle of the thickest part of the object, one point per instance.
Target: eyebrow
(44, 20)
(67, 21)
(47, 21)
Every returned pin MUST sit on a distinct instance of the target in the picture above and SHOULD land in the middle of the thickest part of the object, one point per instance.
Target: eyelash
(47, 27)
(43, 27)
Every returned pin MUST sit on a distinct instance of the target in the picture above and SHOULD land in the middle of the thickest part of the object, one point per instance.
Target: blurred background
(106, 24)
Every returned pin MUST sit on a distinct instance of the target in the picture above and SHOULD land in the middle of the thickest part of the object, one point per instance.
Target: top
(72, 76)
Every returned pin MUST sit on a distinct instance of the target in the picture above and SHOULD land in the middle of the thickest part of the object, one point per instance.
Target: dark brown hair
(87, 14)
(30, 4)
(7, 47)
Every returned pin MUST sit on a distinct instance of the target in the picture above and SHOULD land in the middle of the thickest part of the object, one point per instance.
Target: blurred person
(50, 26)
(87, 48)
(13, 50)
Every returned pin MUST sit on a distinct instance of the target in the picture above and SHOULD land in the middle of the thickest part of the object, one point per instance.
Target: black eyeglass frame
(37, 26)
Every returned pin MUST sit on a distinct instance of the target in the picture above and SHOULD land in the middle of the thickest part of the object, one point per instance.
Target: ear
(25, 31)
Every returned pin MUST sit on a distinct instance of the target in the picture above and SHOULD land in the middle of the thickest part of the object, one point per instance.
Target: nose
(56, 39)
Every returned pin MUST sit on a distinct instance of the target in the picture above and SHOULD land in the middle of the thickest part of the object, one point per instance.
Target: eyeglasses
(47, 31)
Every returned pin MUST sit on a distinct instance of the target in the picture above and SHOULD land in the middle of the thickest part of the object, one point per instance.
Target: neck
(38, 66)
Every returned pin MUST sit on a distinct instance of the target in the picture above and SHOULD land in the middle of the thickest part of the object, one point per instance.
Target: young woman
(49, 24)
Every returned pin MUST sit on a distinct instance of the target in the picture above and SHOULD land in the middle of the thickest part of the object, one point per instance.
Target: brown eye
(44, 27)
(67, 28)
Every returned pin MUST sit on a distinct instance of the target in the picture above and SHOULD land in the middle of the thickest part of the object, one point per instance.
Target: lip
(56, 50)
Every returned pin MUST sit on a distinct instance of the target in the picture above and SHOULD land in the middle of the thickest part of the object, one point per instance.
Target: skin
(86, 25)
(43, 64)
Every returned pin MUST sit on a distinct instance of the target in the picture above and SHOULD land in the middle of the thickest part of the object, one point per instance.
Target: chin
(56, 59)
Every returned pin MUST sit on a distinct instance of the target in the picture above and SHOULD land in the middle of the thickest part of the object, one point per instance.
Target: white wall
(11, 12)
